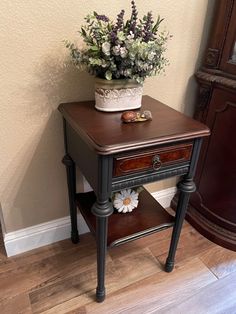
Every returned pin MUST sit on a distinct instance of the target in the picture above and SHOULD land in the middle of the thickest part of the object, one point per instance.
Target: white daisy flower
(125, 200)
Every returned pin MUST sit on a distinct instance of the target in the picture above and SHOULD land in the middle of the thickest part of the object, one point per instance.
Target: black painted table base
(114, 156)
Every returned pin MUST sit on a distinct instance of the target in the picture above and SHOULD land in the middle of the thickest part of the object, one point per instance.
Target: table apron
(139, 179)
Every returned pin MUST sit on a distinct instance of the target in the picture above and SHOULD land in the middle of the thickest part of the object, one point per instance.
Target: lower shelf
(147, 218)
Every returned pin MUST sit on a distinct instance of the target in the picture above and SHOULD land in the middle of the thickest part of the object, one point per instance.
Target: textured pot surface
(117, 95)
(116, 84)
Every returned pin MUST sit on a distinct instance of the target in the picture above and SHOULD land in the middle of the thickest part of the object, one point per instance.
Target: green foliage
(130, 49)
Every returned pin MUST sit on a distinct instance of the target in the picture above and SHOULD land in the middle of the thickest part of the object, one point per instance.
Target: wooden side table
(113, 156)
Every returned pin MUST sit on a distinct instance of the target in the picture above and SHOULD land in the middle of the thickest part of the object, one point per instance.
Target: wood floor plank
(216, 298)
(46, 271)
(191, 244)
(80, 311)
(52, 250)
(75, 305)
(155, 292)
(61, 278)
(65, 289)
(120, 273)
(221, 261)
(20, 304)
(28, 258)
(7, 265)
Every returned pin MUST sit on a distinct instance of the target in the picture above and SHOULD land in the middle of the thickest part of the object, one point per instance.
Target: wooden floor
(61, 278)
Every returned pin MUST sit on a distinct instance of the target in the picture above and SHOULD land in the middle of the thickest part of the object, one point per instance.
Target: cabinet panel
(212, 208)
(216, 194)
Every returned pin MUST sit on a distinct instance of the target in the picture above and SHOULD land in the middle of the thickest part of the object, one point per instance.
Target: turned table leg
(71, 182)
(101, 209)
(185, 187)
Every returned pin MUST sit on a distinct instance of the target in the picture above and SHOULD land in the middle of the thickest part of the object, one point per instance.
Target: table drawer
(152, 159)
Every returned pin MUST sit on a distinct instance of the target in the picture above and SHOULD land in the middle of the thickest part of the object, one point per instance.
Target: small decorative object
(132, 116)
(126, 200)
(121, 55)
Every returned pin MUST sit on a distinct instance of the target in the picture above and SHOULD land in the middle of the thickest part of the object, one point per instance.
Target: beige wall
(36, 76)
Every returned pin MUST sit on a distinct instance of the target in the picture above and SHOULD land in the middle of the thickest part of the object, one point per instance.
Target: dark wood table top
(106, 133)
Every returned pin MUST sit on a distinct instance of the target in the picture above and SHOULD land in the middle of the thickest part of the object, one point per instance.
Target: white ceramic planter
(117, 95)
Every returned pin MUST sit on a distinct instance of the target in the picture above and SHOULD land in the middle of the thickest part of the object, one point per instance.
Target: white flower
(108, 75)
(106, 48)
(121, 36)
(131, 36)
(132, 56)
(123, 52)
(146, 66)
(151, 55)
(125, 201)
(127, 72)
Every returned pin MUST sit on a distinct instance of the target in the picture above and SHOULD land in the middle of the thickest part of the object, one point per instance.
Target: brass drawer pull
(156, 162)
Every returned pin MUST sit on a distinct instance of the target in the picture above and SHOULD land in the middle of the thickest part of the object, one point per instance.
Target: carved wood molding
(126, 182)
(206, 82)
(211, 78)
(226, 106)
(212, 57)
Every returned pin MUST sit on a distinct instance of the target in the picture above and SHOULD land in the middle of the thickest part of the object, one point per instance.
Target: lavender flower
(102, 17)
(119, 25)
(113, 36)
(134, 17)
(120, 20)
(147, 30)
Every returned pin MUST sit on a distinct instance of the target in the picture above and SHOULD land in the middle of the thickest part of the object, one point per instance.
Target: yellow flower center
(127, 201)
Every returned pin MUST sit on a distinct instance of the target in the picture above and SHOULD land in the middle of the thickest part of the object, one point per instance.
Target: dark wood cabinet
(212, 207)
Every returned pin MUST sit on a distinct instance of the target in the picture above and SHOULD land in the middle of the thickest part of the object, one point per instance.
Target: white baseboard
(26, 239)
(46, 233)
(164, 197)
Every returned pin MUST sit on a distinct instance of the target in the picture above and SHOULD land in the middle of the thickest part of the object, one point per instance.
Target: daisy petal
(135, 203)
(121, 209)
(129, 207)
(125, 209)
(123, 193)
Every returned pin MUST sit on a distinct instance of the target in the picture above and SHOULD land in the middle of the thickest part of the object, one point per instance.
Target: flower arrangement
(132, 49)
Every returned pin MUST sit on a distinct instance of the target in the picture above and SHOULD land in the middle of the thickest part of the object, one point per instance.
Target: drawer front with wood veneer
(151, 160)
